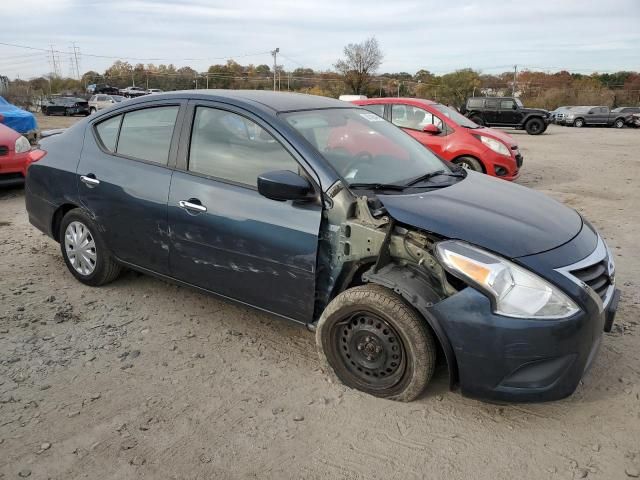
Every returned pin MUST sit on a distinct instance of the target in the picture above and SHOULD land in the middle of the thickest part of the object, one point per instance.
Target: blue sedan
(327, 215)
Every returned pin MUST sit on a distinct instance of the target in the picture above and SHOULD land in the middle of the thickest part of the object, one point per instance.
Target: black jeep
(506, 112)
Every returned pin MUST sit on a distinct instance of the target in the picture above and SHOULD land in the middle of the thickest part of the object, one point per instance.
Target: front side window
(362, 147)
(231, 147)
(102, 98)
(146, 134)
(506, 104)
(408, 116)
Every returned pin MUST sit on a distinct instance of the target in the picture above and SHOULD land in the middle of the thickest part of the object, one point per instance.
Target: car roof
(402, 100)
(276, 101)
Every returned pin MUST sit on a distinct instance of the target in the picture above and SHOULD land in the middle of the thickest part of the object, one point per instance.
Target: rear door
(490, 113)
(225, 236)
(124, 176)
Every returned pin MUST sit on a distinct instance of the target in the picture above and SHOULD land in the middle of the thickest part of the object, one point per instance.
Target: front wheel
(619, 123)
(370, 339)
(578, 123)
(534, 126)
(84, 251)
(469, 163)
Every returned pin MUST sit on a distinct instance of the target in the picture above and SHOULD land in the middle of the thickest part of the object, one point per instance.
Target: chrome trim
(600, 253)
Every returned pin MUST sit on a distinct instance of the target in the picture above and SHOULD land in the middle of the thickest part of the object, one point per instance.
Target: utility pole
(274, 53)
(399, 83)
(515, 73)
(75, 54)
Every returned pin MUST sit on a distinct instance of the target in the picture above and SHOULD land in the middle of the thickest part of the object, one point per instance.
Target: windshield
(455, 116)
(117, 98)
(363, 147)
(519, 102)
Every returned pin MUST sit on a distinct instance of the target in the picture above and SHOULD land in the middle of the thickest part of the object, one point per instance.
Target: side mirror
(284, 185)
(432, 129)
(514, 106)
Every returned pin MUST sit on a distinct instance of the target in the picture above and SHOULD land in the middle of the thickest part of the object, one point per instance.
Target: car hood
(534, 110)
(500, 216)
(497, 134)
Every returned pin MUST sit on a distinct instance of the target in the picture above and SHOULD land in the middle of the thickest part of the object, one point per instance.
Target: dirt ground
(143, 379)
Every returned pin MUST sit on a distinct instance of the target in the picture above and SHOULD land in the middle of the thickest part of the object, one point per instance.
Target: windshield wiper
(377, 186)
(427, 176)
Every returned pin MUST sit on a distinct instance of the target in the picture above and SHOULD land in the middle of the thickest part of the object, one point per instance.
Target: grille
(596, 276)
(4, 150)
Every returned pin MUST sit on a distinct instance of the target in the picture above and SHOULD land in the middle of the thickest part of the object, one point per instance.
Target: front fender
(416, 288)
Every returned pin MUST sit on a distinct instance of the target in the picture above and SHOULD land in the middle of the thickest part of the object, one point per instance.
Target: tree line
(356, 73)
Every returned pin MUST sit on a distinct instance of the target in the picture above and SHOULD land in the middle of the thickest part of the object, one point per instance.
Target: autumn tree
(360, 62)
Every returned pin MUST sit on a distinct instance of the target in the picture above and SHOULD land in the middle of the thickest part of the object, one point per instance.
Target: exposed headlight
(22, 145)
(513, 290)
(495, 145)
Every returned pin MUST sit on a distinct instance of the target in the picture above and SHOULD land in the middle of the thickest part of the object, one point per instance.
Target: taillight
(35, 155)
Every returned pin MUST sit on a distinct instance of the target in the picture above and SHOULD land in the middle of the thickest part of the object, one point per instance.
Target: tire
(469, 163)
(534, 126)
(92, 110)
(477, 120)
(66, 112)
(100, 270)
(578, 123)
(46, 112)
(619, 123)
(370, 339)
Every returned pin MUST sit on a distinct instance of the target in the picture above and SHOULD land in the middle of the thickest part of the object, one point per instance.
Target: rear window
(108, 132)
(142, 134)
(146, 134)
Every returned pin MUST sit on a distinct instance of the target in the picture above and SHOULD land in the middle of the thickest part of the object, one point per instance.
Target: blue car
(324, 214)
(19, 120)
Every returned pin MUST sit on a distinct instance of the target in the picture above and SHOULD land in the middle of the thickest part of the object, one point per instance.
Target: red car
(451, 135)
(16, 155)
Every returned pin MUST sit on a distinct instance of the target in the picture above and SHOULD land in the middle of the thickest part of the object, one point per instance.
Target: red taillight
(35, 155)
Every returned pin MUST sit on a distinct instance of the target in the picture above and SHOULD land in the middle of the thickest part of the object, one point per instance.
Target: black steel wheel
(534, 126)
(370, 339)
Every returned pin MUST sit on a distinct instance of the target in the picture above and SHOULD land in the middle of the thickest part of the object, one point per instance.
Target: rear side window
(506, 104)
(377, 109)
(475, 103)
(146, 134)
(108, 132)
(231, 147)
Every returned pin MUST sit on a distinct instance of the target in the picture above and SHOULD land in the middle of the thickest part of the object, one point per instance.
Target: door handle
(89, 180)
(187, 205)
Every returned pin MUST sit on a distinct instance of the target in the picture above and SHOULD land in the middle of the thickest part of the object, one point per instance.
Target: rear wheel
(578, 122)
(534, 126)
(84, 251)
(370, 339)
(469, 163)
(619, 123)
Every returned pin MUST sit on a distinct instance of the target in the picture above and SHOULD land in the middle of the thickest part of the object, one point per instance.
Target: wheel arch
(57, 217)
(415, 288)
(462, 155)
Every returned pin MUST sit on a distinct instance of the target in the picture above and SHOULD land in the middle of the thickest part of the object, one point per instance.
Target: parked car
(393, 256)
(450, 135)
(98, 102)
(597, 116)
(153, 90)
(67, 106)
(15, 155)
(102, 88)
(506, 112)
(626, 110)
(557, 116)
(132, 92)
(19, 120)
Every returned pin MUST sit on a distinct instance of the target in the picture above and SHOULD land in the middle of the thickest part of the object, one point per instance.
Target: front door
(413, 119)
(509, 113)
(225, 236)
(123, 181)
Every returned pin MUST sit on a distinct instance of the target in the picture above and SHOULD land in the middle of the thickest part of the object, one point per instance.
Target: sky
(582, 36)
